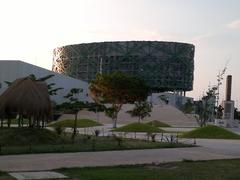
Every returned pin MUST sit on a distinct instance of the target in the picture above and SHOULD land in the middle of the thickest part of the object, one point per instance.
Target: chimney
(228, 88)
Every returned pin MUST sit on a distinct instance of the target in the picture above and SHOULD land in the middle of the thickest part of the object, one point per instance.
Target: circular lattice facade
(166, 66)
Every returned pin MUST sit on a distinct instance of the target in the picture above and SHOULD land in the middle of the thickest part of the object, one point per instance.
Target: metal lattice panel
(164, 65)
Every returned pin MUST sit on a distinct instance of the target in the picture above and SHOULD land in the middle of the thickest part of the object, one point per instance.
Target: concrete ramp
(164, 113)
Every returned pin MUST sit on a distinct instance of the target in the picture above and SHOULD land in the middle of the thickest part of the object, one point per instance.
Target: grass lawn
(211, 132)
(15, 121)
(28, 140)
(25, 136)
(139, 127)
(158, 124)
(81, 123)
(198, 170)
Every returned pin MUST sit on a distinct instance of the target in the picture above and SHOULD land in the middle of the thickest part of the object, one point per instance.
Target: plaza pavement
(211, 149)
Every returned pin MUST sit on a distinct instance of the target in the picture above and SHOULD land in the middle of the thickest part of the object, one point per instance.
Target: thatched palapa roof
(26, 97)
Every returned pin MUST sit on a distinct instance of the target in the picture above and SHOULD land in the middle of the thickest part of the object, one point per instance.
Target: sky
(31, 29)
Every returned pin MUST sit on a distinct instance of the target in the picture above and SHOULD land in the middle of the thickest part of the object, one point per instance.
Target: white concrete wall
(12, 70)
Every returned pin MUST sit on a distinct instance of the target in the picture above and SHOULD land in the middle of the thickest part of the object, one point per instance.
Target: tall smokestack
(228, 105)
(229, 88)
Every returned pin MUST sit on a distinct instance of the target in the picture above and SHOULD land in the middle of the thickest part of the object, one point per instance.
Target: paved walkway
(37, 175)
(221, 146)
(37, 162)
(210, 149)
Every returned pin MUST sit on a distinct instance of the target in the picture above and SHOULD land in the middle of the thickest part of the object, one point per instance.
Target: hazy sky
(31, 29)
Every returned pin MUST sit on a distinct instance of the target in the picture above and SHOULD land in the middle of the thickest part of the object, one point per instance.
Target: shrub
(152, 135)
(118, 139)
(96, 132)
(59, 129)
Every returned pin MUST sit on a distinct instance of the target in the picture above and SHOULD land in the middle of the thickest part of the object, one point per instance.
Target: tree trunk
(34, 121)
(97, 114)
(29, 122)
(1, 122)
(75, 127)
(116, 116)
(38, 122)
(9, 122)
(19, 121)
(114, 123)
(115, 120)
(139, 119)
(43, 122)
(98, 117)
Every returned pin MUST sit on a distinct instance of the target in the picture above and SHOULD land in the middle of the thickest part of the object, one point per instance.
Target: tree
(219, 112)
(8, 83)
(236, 114)
(202, 112)
(219, 82)
(52, 91)
(205, 108)
(117, 89)
(96, 108)
(188, 107)
(141, 109)
(112, 113)
(73, 106)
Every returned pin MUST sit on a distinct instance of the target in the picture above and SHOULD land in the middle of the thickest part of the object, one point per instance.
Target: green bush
(59, 129)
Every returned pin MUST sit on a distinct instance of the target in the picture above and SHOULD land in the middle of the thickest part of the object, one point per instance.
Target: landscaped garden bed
(210, 132)
(31, 140)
